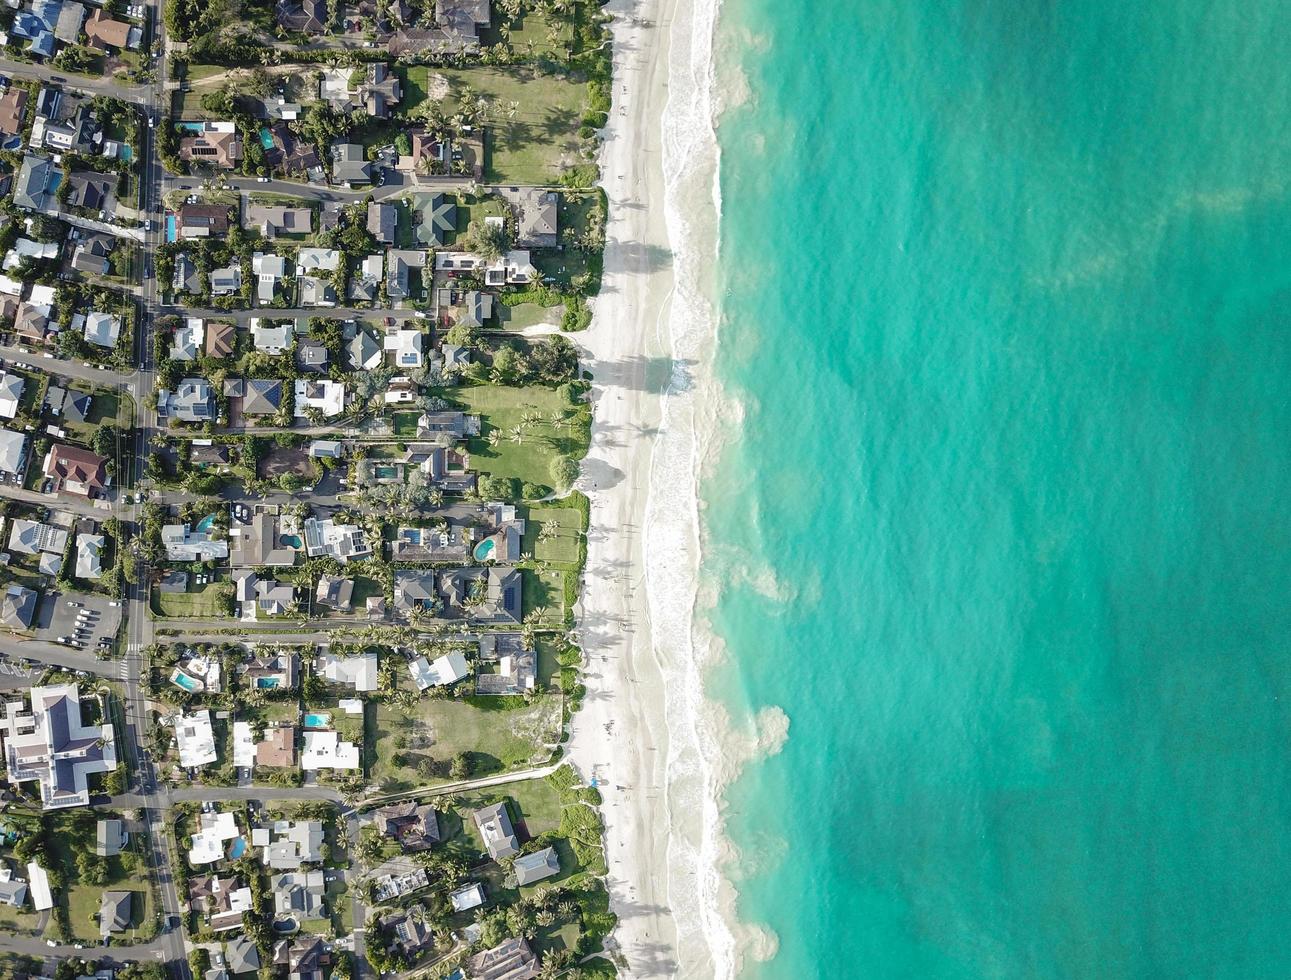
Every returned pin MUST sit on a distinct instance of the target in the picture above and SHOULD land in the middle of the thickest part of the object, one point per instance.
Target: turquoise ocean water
(1005, 533)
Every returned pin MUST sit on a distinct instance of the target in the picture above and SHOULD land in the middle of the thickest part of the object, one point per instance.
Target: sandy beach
(638, 734)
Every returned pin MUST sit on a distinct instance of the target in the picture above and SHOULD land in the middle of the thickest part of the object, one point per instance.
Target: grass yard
(546, 591)
(206, 601)
(534, 145)
(74, 834)
(502, 408)
(553, 533)
(416, 748)
(405, 423)
(576, 212)
(535, 809)
(524, 315)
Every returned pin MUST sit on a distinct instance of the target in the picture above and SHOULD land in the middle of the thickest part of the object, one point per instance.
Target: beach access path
(619, 738)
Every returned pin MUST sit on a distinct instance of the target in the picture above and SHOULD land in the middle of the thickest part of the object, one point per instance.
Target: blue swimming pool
(238, 847)
(266, 138)
(316, 720)
(127, 152)
(184, 681)
(171, 231)
(263, 682)
(484, 549)
(412, 535)
(206, 523)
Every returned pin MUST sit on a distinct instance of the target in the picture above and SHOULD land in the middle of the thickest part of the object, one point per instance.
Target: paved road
(331, 312)
(75, 83)
(17, 648)
(39, 949)
(69, 369)
(75, 505)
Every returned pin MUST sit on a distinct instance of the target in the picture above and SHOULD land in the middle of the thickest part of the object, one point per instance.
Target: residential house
(323, 395)
(188, 545)
(76, 471)
(291, 843)
(67, 404)
(273, 337)
(383, 219)
(11, 386)
(49, 743)
(307, 17)
(191, 401)
(272, 671)
(536, 866)
(111, 837)
(188, 339)
(311, 355)
(512, 959)
(437, 220)
(414, 591)
(33, 186)
(467, 897)
(277, 750)
(401, 266)
(221, 902)
(221, 339)
(227, 280)
(414, 826)
(18, 607)
(365, 284)
(350, 165)
(537, 214)
(334, 592)
(186, 278)
(260, 542)
(115, 910)
(275, 598)
(202, 221)
(268, 268)
(13, 452)
(89, 190)
(102, 329)
(324, 749)
(13, 106)
(105, 33)
(482, 594)
(215, 144)
(303, 957)
(195, 738)
(494, 824)
(272, 220)
(89, 556)
(358, 672)
(405, 348)
(91, 255)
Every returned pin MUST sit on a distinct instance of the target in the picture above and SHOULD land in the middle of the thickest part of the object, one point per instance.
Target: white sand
(642, 734)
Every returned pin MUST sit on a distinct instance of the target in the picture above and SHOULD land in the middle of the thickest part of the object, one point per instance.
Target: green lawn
(202, 603)
(416, 748)
(524, 315)
(74, 834)
(544, 590)
(535, 144)
(502, 409)
(561, 544)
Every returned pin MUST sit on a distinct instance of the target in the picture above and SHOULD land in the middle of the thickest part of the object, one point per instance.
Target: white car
(263, 180)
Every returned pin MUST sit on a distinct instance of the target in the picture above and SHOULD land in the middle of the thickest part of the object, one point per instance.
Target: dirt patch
(437, 87)
(281, 460)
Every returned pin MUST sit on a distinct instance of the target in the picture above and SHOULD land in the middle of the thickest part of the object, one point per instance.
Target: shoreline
(645, 733)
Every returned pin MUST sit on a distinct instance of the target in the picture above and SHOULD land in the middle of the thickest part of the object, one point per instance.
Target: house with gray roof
(191, 401)
(437, 220)
(13, 452)
(273, 220)
(274, 598)
(226, 281)
(89, 556)
(536, 866)
(33, 182)
(111, 837)
(241, 956)
(365, 284)
(115, 908)
(414, 589)
(350, 165)
(311, 355)
(87, 189)
(363, 351)
(484, 595)
(383, 219)
(298, 894)
(262, 396)
(18, 607)
(401, 266)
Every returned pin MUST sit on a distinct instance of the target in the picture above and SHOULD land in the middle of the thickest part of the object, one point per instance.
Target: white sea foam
(706, 749)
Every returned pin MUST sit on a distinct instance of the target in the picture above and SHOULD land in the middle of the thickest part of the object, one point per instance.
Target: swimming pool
(180, 679)
(266, 682)
(238, 847)
(316, 719)
(412, 535)
(290, 540)
(171, 231)
(484, 549)
(206, 523)
(266, 138)
(385, 472)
